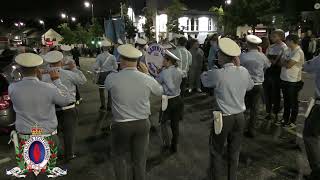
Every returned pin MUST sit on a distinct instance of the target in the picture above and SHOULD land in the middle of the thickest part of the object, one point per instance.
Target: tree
(79, 34)
(131, 30)
(219, 13)
(249, 12)
(82, 35)
(96, 29)
(69, 36)
(174, 12)
(148, 26)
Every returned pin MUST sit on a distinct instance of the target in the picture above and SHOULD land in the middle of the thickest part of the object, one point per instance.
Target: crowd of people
(238, 77)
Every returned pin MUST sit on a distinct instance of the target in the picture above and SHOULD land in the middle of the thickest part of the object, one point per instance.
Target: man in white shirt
(186, 60)
(291, 83)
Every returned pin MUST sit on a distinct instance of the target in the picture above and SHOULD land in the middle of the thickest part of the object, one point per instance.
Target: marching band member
(141, 45)
(230, 84)
(311, 132)
(105, 64)
(256, 63)
(170, 78)
(34, 101)
(67, 115)
(130, 93)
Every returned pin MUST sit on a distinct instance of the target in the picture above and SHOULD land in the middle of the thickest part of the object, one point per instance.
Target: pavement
(272, 155)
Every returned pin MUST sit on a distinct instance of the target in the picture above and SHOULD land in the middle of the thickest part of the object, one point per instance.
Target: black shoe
(268, 117)
(249, 134)
(165, 149)
(174, 148)
(284, 123)
(68, 159)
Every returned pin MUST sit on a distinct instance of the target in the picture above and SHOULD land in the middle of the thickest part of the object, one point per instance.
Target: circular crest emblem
(154, 58)
(36, 153)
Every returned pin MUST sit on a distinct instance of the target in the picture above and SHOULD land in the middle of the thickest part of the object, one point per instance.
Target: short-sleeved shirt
(230, 85)
(294, 73)
(186, 59)
(130, 92)
(34, 103)
(171, 79)
(106, 62)
(276, 50)
(70, 79)
(313, 66)
(256, 63)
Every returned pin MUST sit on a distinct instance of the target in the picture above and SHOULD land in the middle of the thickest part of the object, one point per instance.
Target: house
(51, 38)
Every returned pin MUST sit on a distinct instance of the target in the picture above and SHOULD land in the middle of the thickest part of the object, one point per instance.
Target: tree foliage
(130, 28)
(174, 11)
(80, 34)
(250, 12)
(148, 27)
(219, 13)
(68, 35)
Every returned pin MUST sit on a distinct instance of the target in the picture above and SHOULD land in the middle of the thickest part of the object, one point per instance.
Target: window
(196, 24)
(188, 25)
(192, 24)
(210, 24)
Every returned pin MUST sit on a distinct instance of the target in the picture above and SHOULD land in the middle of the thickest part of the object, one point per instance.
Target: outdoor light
(16, 24)
(41, 22)
(63, 15)
(228, 2)
(99, 42)
(16, 37)
(73, 19)
(86, 4)
(92, 42)
(1, 20)
(21, 24)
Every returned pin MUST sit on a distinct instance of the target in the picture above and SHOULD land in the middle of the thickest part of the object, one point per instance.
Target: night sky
(52, 8)
(30, 11)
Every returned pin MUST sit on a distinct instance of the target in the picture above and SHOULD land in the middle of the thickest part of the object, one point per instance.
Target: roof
(53, 33)
(195, 12)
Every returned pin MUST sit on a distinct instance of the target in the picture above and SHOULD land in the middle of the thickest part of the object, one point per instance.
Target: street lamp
(1, 20)
(87, 5)
(73, 19)
(63, 15)
(41, 22)
(228, 2)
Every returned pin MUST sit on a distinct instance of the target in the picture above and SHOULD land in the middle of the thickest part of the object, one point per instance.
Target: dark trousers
(183, 86)
(252, 103)
(102, 97)
(77, 61)
(68, 120)
(173, 113)
(290, 91)
(130, 142)
(311, 137)
(272, 94)
(232, 131)
(77, 94)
